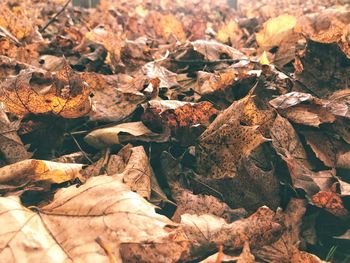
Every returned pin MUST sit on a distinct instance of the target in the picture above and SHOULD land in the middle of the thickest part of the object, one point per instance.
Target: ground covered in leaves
(175, 131)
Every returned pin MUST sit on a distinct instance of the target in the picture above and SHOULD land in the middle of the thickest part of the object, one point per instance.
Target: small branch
(55, 16)
(204, 61)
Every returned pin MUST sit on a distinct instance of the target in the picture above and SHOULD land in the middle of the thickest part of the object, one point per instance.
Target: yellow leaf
(275, 30)
(38, 170)
(263, 59)
(228, 32)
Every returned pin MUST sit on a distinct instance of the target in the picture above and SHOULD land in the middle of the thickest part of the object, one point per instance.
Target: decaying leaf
(229, 32)
(18, 23)
(138, 172)
(185, 120)
(166, 26)
(225, 142)
(64, 93)
(11, 146)
(113, 98)
(286, 141)
(329, 26)
(331, 202)
(286, 249)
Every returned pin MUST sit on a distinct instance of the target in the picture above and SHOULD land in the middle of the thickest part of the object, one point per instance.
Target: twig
(197, 61)
(107, 249)
(79, 147)
(55, 16)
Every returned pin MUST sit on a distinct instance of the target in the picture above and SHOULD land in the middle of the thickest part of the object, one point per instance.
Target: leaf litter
(137, 131)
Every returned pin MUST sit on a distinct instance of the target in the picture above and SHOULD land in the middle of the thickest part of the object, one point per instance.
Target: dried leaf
(138, 172)
(275, 30)
(132, 131)
(39, 171)
(113, 98)
(229, 32)
(286, 249)
(185, 120)
(328, 26)
(286, 141)
(305, 109)
(225, 142)
(64, 94)
(331, 202)
(212, 50)
(11, 146)
(166, 26)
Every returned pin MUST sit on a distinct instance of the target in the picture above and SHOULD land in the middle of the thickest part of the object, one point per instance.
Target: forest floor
(175, 131)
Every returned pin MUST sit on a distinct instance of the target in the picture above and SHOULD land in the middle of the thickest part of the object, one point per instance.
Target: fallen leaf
(185, 120)
(275, 30)
(166, 26)
(331, 202)
(113, 98)
(130, 235)
(286, 249)
(44, 172)
(11, 146)
(229, 32)
(304, 109)
(114, 135)
(212, 50)
(138, 172)
(225, 142)
(64, 94)
(286, 141)
(328, 26)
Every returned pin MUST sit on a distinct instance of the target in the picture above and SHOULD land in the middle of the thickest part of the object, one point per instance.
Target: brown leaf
(166, 26)
(134, 229)
(114, 135)
(39, 171)
(311, 182)
(225, 142)
(286, 249)
(64, 94)
(18, 23)
(11, 146)
(250, 188)
(328, 26)
(212, 50)
(113, 99)
(331, 202)
(286, 141)
(304, 109)
(138, 172)
(185, 120)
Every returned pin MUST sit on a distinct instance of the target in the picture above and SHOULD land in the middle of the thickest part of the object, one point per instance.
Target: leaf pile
(138, 131)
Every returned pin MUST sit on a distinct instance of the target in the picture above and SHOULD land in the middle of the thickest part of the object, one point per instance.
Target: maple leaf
(64, 93)
(225, 142)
